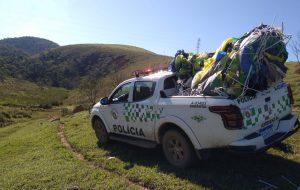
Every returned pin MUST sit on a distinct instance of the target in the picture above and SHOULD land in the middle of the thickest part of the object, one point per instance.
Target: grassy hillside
(19, 99)
(293, 78)
(32, 157)
(66, 66)
(28, 44)
(14, 92)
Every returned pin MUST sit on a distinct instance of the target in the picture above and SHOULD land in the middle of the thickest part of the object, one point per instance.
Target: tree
(295, 46)
(90, 87)
(116, 77)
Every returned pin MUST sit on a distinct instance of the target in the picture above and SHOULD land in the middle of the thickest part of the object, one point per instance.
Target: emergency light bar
(148, 71)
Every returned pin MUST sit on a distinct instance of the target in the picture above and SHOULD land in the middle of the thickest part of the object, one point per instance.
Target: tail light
(231, 116)
(290, 94)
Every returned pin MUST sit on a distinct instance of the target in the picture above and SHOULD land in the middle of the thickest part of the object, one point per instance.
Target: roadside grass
(32, 157)
(224, 170)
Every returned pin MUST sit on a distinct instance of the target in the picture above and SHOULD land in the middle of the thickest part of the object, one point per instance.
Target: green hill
(28, 44)
(66, 66)
(12, 61)
(44, 62)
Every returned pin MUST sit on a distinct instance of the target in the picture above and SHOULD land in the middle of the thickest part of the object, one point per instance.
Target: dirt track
(92, 164)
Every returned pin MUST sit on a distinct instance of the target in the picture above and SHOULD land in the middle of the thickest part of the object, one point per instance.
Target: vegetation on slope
(69, 66)
(293, 78)
(12, 62)
(18, 99)
(66, 66)
(32, 157)
(28, 44)
(14, 92)
(27, 148)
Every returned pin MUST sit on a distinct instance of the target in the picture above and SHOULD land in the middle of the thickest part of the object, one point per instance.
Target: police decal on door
(128, 130)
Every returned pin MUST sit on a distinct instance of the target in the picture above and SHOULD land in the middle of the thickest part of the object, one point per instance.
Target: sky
(161, 26)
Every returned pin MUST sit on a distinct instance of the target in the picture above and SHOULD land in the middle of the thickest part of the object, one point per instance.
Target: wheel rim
(175, 148)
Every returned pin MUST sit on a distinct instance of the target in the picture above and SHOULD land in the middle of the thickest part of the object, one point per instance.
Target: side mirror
(162, 94)
(104, 101)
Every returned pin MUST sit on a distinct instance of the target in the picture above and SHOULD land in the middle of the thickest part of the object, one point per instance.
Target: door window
(170, 82)
(121, 94)
(143, 90)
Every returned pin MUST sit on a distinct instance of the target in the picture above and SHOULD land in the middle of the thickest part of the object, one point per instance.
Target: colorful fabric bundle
(186, 65)
(241, 66)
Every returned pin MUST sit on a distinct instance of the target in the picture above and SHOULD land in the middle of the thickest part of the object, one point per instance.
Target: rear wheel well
(171, 126)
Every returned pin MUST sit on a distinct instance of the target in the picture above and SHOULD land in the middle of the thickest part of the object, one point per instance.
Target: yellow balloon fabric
(208, 64)
(224, 45)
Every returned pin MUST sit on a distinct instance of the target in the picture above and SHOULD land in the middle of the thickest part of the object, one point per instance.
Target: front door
(113, 113)
(141, 114)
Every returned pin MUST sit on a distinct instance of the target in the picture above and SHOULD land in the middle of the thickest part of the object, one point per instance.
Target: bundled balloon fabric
(186, 65)
(240, 66)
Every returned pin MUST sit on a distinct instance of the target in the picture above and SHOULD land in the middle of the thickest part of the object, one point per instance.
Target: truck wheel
(177, 149)
(100, 131)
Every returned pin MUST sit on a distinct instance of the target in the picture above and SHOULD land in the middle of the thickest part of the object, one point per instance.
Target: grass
(9, 115)
(18, 99)
(223, 171)
(32, 157)
(293, 79)
(15, 92)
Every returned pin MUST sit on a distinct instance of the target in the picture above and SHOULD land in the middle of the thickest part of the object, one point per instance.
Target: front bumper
(255, 142)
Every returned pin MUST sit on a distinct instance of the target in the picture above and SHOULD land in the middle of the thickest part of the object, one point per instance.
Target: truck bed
(258, 111)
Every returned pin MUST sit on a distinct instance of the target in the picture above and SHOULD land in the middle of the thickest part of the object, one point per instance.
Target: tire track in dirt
(92, 164)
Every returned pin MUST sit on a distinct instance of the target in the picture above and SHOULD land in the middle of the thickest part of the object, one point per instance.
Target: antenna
(282, 27)
(198, 45)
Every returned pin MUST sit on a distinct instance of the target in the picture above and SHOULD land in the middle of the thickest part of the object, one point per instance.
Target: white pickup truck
(146, 111)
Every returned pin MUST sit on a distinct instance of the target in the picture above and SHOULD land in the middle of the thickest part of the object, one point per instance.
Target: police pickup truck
(147, 111)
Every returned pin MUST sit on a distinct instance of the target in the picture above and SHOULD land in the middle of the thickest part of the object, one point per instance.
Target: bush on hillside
(65, 112)
(45, 106)
(79, 108)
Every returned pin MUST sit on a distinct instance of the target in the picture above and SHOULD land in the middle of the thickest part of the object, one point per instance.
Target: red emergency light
(147, 71)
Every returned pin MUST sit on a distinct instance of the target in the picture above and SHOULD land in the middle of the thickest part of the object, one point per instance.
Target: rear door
(263, 111)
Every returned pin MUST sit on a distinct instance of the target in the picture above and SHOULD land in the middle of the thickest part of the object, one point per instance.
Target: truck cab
(131, 108)
(147, 111)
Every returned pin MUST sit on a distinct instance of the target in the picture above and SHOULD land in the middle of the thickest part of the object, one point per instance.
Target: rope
(258, 56)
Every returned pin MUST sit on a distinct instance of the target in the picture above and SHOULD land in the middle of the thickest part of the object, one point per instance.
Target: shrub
(46, 106)
(55, 103)
(4, 120)
(79, 108)
(65, 112)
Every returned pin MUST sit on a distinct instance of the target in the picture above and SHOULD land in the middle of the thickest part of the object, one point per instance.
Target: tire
(177, 149)
(100, 131)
